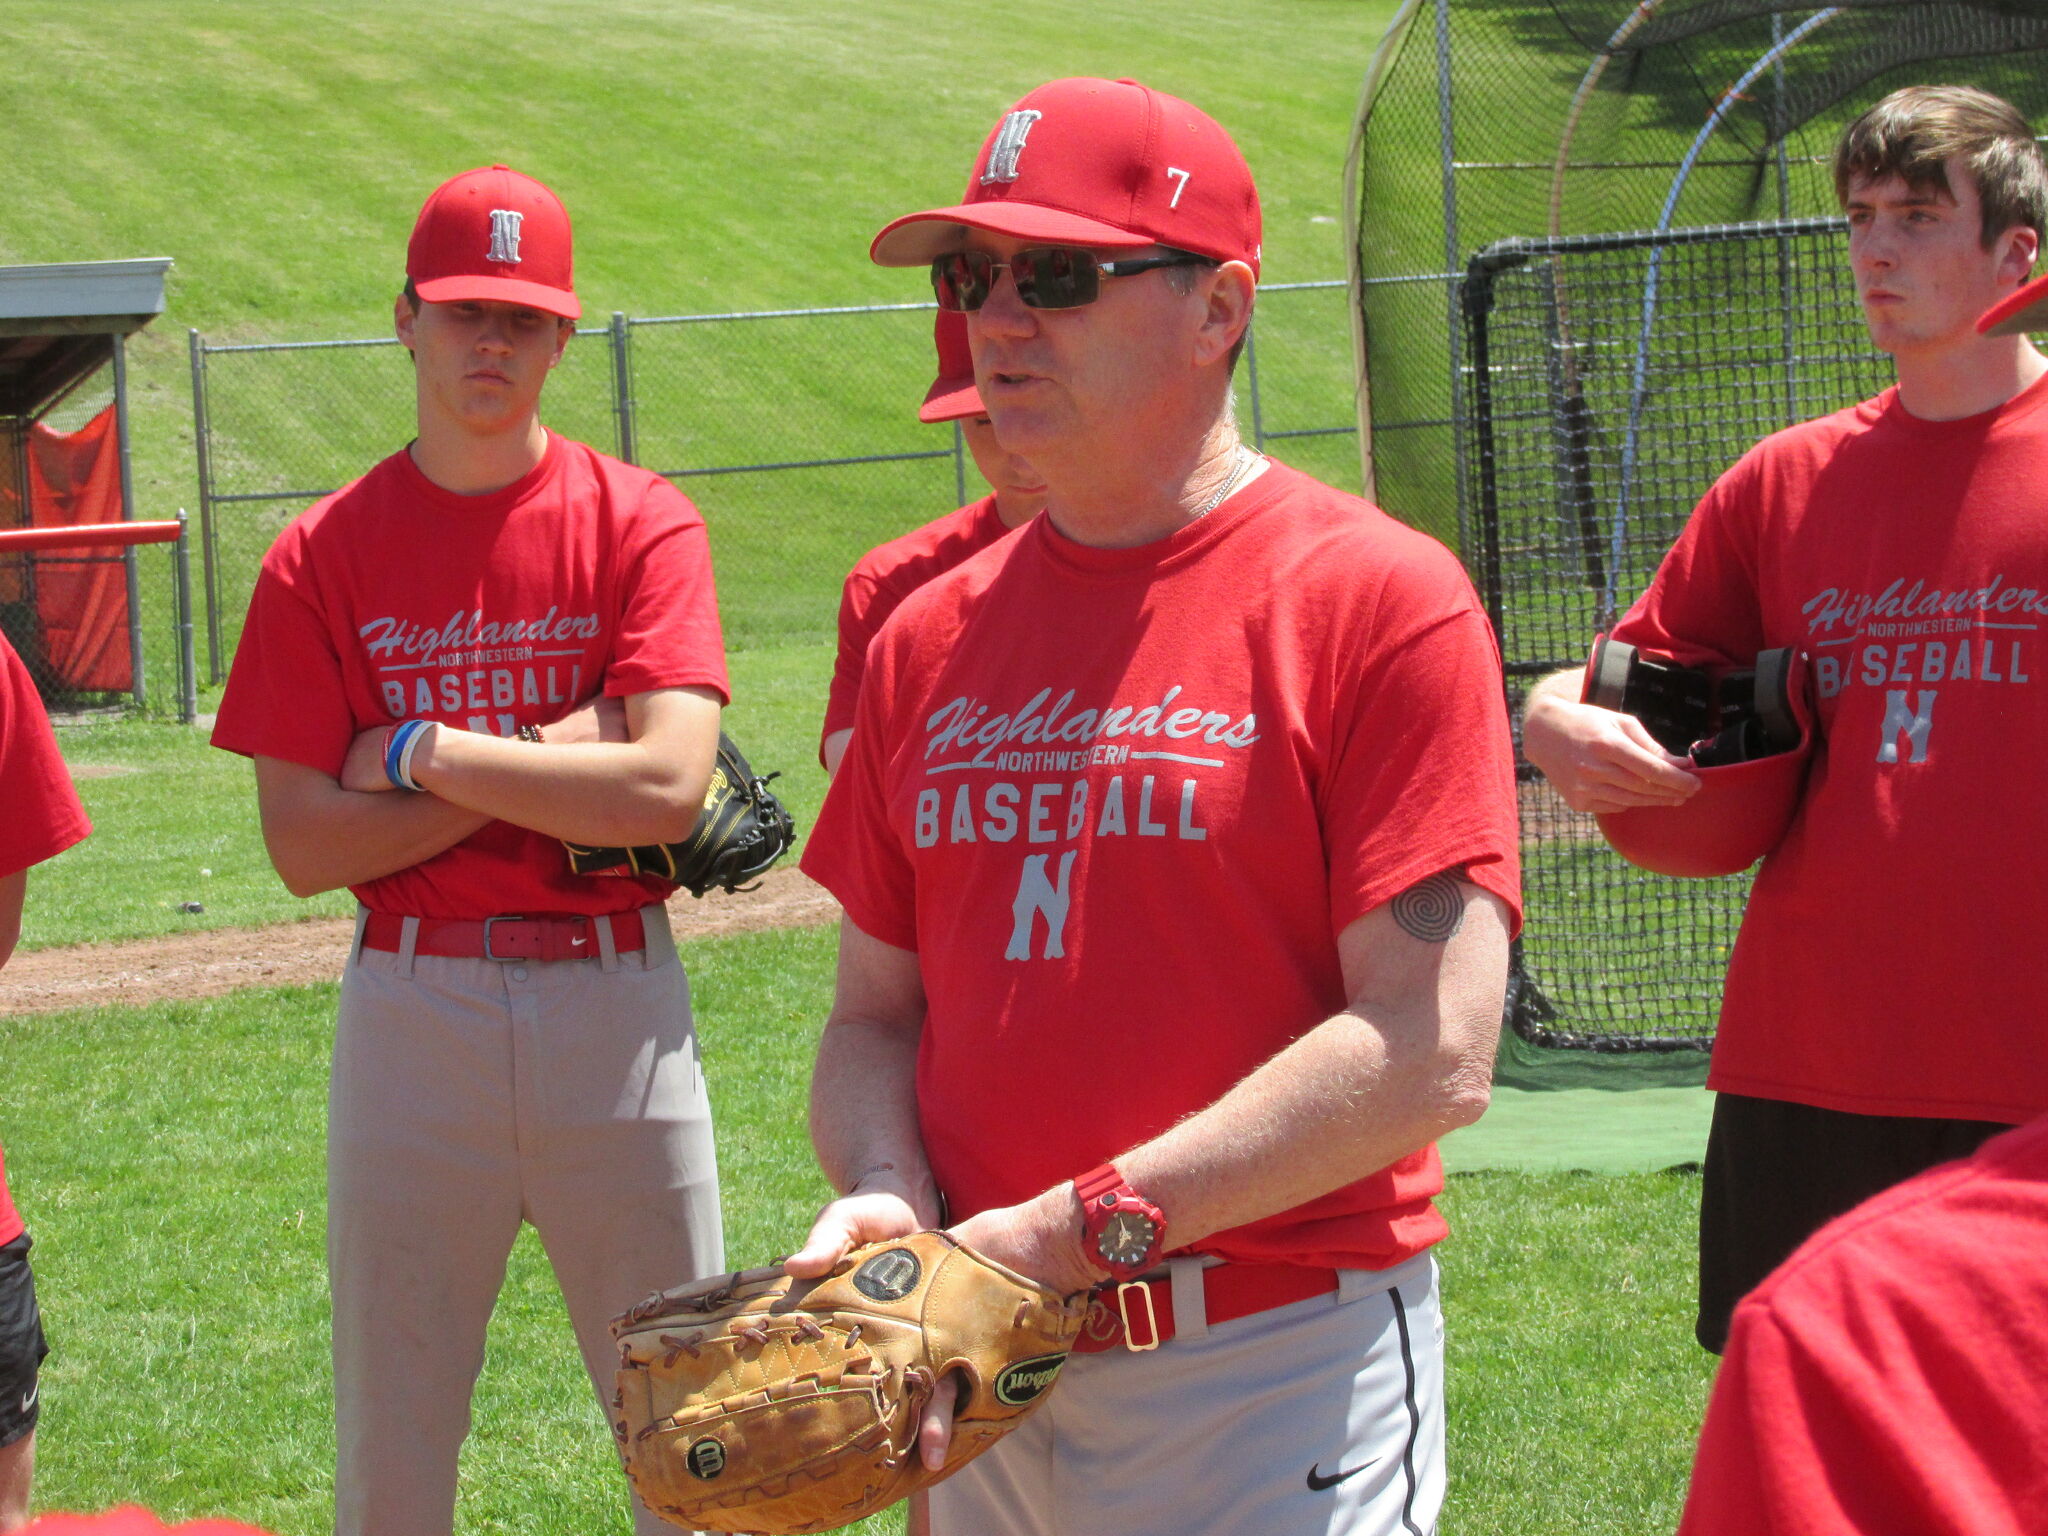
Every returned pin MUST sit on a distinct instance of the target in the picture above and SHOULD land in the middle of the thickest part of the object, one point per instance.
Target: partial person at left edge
(495, 640)
(43, 819)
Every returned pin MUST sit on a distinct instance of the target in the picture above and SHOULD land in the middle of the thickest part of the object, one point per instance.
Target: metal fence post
(188, 661)
(622, 384)
(959, 465)
(201, 431)
(128, 515)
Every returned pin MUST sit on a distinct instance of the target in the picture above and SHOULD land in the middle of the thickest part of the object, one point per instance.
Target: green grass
(169, 1161)
(1575, 1388)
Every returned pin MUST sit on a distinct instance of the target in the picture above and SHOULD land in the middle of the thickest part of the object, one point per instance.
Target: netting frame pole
(202, 432)
(188, 660)
(1390, 45)
(1779, 131)
(128, 567)
(622, 384)
(1453, 320)
(959, 465)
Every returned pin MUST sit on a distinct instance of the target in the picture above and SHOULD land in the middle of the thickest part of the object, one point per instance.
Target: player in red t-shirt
(888, 573)
(515, 1041)
(43, 819)
(1176, 841)
(1882, 1013)
(1887, 1378)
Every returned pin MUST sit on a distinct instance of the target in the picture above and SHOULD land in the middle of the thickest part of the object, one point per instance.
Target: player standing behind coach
(515, 1041)
(1177, 846)
(43, 819)
(885, 575)
(1883, 1004)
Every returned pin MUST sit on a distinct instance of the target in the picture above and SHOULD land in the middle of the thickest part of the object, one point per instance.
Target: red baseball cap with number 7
(494, 234)
(1107, 164)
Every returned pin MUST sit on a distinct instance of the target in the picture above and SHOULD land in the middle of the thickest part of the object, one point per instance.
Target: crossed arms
(614, 773)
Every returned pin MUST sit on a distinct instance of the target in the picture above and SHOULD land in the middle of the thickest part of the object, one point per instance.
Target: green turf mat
(1583, 1128)
(1518, 1064)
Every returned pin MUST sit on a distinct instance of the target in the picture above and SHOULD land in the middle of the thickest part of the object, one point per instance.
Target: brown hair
(1914, 132)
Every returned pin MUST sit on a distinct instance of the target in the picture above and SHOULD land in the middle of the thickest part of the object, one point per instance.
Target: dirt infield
(208, 964)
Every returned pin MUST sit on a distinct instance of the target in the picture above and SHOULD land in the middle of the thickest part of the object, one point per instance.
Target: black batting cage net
(1597, 256)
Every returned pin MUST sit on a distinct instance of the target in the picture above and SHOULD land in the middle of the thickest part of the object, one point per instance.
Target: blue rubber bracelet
(405, 755)
(394, 751)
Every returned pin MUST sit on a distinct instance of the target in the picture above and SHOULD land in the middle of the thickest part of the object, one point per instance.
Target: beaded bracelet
(399, 746)
(530, 733)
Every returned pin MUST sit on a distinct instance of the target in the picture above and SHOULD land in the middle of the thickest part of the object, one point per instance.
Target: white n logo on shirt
(1915, 727)
(1036, 894)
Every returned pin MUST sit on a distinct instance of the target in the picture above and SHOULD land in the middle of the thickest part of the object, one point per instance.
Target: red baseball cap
(494, 234)
(2019, 312)
(1109, 164)
(131, 1520)
(952, 394)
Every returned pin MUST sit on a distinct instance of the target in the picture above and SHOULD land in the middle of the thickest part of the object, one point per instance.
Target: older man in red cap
(494, 640)
(1177, 845)
(887, 574)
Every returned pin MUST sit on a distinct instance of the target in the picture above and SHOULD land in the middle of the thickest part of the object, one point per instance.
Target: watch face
(1125, 1238)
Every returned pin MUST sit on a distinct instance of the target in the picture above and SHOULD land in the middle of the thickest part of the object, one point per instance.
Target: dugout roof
(59, 322)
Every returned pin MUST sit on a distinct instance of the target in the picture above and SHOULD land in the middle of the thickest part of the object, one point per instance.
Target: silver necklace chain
(1245, 460)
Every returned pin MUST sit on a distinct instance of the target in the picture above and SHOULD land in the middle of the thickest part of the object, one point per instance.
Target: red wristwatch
(1122, 1230)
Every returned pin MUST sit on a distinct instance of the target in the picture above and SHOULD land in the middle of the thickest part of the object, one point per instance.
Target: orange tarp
(81, 594)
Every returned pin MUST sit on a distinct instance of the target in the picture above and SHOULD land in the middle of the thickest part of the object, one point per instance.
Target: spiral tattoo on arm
(1431, 910)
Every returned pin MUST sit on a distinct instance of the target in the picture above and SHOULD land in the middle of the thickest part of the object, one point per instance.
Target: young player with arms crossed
(43, 819)
(885, 575)
(1883, 1004)
(1177, 845)
(515, 1041)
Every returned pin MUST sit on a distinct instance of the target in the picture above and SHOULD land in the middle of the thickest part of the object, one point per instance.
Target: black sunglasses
(1047, 276)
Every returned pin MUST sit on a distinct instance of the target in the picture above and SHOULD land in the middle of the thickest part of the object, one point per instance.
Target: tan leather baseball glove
(755, 1402)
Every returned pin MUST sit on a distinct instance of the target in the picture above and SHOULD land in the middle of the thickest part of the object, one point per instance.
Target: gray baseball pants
(470, 1096)
(1321, 1417)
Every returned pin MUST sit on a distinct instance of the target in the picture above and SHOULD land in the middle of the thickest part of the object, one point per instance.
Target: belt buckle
(1123, 1309)
(491, 954)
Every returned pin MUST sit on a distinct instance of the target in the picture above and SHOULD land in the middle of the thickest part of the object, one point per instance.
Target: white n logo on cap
(1009, 144)
(505, 235)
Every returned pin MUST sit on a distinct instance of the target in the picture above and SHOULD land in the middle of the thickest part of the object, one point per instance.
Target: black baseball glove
(743, 830)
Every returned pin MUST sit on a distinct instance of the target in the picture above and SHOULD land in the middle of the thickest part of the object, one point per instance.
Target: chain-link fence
(794, 431)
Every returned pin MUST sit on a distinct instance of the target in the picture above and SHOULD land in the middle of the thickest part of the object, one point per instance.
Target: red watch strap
(1097, 1181)
(1096, 1211)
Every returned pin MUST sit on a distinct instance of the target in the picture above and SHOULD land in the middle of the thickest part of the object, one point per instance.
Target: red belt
(506, 938)
(1138, 1314)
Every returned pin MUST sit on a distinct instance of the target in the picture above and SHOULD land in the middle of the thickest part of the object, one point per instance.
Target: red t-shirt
(1891, 959)
(42, 818)
(1121, 802)
(1888, 1376)
(882, 578)
(394, 599)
